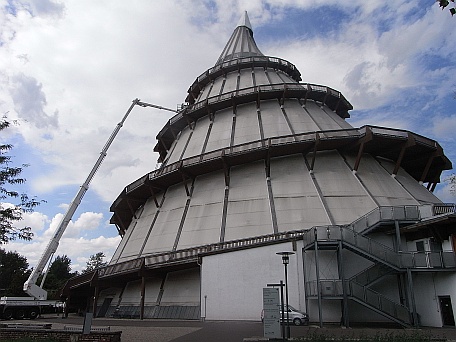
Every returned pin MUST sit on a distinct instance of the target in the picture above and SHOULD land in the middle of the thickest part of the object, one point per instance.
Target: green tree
(14, 271)
(95, 261)
(11, 213)
(59, 273)
(446, 3)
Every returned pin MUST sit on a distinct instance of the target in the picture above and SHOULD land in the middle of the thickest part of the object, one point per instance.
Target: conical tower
(253, 161)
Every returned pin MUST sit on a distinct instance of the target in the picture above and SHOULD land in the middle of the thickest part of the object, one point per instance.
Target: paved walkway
(227, 331)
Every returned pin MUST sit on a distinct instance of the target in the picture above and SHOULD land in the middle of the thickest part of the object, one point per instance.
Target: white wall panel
(296, 200)
(220, 136)
(246, 80)
(422, 194)
(196, 143)
(260, 77)
(233, 282)
(344, 195)
(419, 192)
(141, 230)
(216, 87)
(275, 79)
(204, 217)
(322, 119)
(203, 94)
(379, 182)
(249, 212)
(132, 293)
(180, 145)
(273, 120)
(231, 82)
(247, 127)
(182, 288)
(165, 229)
(300, 120)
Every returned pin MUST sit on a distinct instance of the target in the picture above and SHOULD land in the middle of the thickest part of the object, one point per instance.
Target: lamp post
(286, 261)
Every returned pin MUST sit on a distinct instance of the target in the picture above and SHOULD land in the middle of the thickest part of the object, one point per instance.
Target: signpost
(271, 313)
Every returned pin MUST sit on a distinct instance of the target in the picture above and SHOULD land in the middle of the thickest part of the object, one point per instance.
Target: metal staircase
(386, 261)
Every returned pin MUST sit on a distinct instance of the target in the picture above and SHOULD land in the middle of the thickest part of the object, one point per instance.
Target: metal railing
(379, 251)
(334, 288)
(386, 214)
(379, 301)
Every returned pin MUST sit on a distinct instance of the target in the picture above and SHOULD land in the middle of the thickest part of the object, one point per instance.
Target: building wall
(232, 283)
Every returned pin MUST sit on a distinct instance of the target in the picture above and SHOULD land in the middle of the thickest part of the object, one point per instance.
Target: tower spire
(241, 43)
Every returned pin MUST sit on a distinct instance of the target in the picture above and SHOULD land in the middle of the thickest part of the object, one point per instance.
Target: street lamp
(286, 261)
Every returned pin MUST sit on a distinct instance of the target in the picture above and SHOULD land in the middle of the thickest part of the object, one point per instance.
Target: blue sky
(69, 71)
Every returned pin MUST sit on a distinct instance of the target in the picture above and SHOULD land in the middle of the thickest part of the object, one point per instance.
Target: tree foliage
(95, 261)
(59, 273)
(11, 213)
(446, 3)
(14, 271)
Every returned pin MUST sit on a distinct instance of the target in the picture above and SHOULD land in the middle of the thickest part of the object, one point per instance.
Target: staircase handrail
(380, 302)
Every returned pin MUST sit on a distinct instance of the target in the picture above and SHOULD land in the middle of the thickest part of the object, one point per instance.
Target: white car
(296, 317)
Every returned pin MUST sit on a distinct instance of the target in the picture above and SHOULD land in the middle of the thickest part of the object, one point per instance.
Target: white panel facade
(182, 288)
(249, 213)
(203, 221)
(300, 120)
(164, 231)
(233, 282)
(296, 200)
(180, 146)
(245, 80)
(247, 128)
(380, 183)
(260, 77)
(273, 120)
(196, 143)
(346, 198)
(220, 136)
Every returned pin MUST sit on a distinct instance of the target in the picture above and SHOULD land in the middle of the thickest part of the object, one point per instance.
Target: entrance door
(446, 310)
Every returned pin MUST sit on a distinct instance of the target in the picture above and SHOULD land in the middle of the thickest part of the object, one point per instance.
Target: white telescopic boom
(30, 286)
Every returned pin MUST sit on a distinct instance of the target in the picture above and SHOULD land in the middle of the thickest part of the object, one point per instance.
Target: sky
(69, 70)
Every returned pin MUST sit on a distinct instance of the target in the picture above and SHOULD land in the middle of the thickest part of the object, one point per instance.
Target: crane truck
(31, 307)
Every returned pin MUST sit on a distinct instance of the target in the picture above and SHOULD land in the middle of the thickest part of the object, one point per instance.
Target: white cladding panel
(346, 198)
(419, 192)
(205, 92)
(195, 146)
(204, 217)
(249, 212)
(323, 121)
(220, 136)
(182, 288)
(296, 200)
(216, 87)
(140, 231)
(180, 145)
(247, 128)
(246, 80)
(233, 282)
(300, 120)
(164, 231)
(132, 293)
(231, 82)
(379, 182)
(275, 79)
(260, 77)
(123, 242)
(273, 120)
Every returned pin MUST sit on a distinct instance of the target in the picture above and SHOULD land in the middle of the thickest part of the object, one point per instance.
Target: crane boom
(30, 286)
